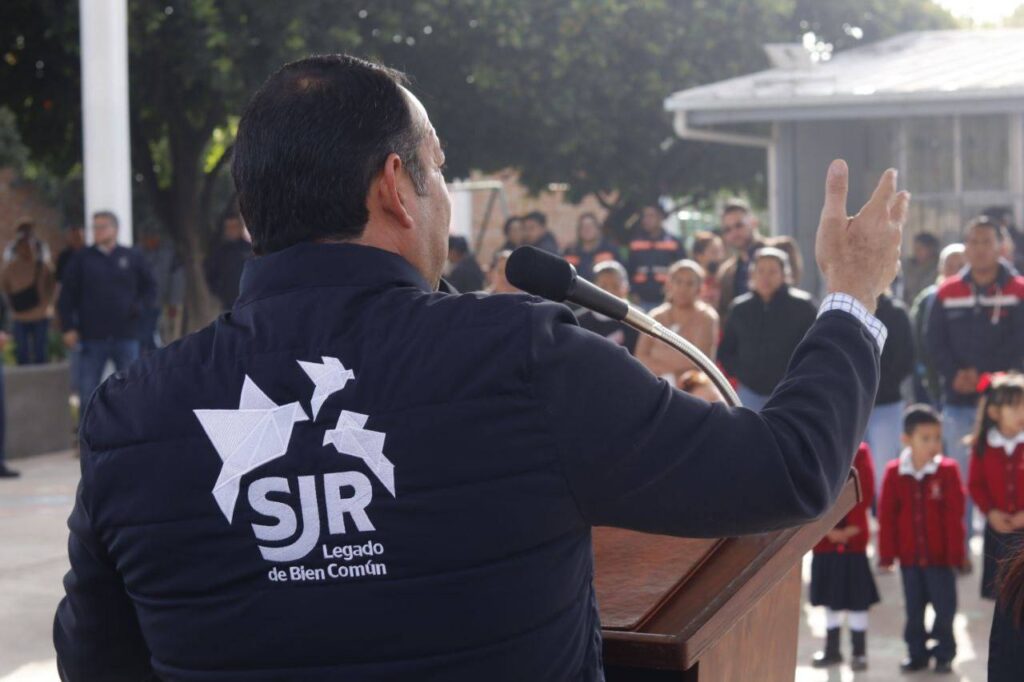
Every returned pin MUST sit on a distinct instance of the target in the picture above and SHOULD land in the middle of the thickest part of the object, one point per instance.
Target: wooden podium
(722, 610)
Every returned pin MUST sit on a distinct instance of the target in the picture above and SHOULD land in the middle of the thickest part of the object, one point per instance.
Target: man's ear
(389, 191)
(905, 440)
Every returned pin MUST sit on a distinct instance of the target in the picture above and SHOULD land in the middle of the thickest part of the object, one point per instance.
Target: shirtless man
(684, 313)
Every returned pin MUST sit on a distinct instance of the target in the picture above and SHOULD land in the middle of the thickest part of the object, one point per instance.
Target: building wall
(561, 213)
(805, 151)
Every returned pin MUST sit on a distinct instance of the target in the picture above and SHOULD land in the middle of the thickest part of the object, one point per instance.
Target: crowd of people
(110, 303)
(946, 435)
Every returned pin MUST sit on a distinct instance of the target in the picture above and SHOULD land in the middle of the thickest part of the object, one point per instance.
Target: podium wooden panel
(705, 610)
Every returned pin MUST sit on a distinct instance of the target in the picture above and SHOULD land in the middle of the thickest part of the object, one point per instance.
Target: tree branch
(210, 179)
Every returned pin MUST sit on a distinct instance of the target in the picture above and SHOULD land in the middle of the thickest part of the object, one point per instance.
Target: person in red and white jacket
(921, 524)
(841, 577)
(996, 479)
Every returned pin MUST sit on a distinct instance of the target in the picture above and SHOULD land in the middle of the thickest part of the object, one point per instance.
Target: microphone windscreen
(540, 273)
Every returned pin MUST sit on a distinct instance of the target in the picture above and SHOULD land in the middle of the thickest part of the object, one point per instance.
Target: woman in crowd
(709, 252)
(684, 313)
(591, 247)
(515, 234)
(28, 282)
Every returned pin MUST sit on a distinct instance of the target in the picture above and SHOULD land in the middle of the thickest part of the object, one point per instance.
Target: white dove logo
(259, 431)
(328, 377)
(350, 437)
(247, 438)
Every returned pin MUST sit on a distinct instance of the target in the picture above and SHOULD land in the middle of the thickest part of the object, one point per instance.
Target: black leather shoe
(943, 667)
(830, 656)
(911, 665)
(8, 473)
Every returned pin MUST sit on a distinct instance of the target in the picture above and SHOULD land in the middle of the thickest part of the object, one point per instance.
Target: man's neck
(985, 277)
(684, 307)
(589, 244)
(107, 248)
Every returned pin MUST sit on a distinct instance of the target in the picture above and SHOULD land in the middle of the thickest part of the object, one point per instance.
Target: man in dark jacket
(651, 251)
(106, 288)
(976, 325)
(886, 423)
(466, 275)
(223, 266)
(352, 476)
(764, 327)
(739, 232)
(5, 471)
(535, 227)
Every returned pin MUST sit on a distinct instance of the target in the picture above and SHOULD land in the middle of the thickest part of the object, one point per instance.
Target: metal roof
(920, 73)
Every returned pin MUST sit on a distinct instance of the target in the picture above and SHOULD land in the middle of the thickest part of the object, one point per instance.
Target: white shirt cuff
(848, 304)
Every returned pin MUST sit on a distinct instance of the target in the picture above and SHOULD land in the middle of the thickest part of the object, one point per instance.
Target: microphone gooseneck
(548, 276)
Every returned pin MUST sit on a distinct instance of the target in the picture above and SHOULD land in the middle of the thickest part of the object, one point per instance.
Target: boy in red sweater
(921, 524)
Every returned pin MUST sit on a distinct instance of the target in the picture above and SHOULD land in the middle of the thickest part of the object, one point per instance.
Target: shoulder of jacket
(800, 294)
(952, 287)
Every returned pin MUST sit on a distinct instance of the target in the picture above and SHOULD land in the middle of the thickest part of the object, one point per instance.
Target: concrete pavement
(34, 509)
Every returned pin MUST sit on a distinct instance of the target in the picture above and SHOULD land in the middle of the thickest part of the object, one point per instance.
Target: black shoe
(830, 656)
(943, 667)
(8, 473)
(859, 659)
(912, 665)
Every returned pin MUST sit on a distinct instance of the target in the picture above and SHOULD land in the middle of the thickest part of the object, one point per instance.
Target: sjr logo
(260, 430)
(337, 506)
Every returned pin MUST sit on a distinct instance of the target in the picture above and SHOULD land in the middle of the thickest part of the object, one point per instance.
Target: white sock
(833, 619)
(858, 621)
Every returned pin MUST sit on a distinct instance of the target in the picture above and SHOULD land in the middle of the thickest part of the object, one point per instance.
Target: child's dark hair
(918, 415)
(996, 390)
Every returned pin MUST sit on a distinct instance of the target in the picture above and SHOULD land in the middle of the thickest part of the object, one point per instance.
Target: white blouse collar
(997, 440)
(907, 465)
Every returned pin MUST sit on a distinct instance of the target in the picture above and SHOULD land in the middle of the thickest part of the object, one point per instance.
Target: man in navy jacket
(352, 476)
(105, 289)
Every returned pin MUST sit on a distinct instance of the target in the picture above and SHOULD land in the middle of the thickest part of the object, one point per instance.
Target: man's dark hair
(919, 415)
(512, 220)
(1000, 214)
(310, 143)
(929, 240)
(109, 215)
(537, 217)
(985, 221)
(458, 244)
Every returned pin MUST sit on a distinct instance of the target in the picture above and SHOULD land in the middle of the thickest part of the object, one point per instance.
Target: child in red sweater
(841, 577)
(996, 478)
(920, 519)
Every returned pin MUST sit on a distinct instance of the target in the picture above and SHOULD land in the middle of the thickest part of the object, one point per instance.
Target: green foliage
(13, 152)
(568, 91)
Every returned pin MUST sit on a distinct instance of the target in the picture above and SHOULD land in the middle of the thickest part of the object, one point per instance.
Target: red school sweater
(996, 480)
(858, 516)
(921, 514)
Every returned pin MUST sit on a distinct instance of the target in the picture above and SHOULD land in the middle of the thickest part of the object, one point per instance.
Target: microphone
(546, 275)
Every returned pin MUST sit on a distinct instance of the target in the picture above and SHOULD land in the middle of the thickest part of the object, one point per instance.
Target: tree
(570, 91)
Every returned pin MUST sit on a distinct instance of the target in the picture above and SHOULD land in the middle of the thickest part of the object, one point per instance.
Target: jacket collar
(1009, 445)
(907, 466)
(310, 264)
(1002, 275)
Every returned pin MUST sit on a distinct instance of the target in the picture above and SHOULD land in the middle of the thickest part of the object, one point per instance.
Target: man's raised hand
(860, 256)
